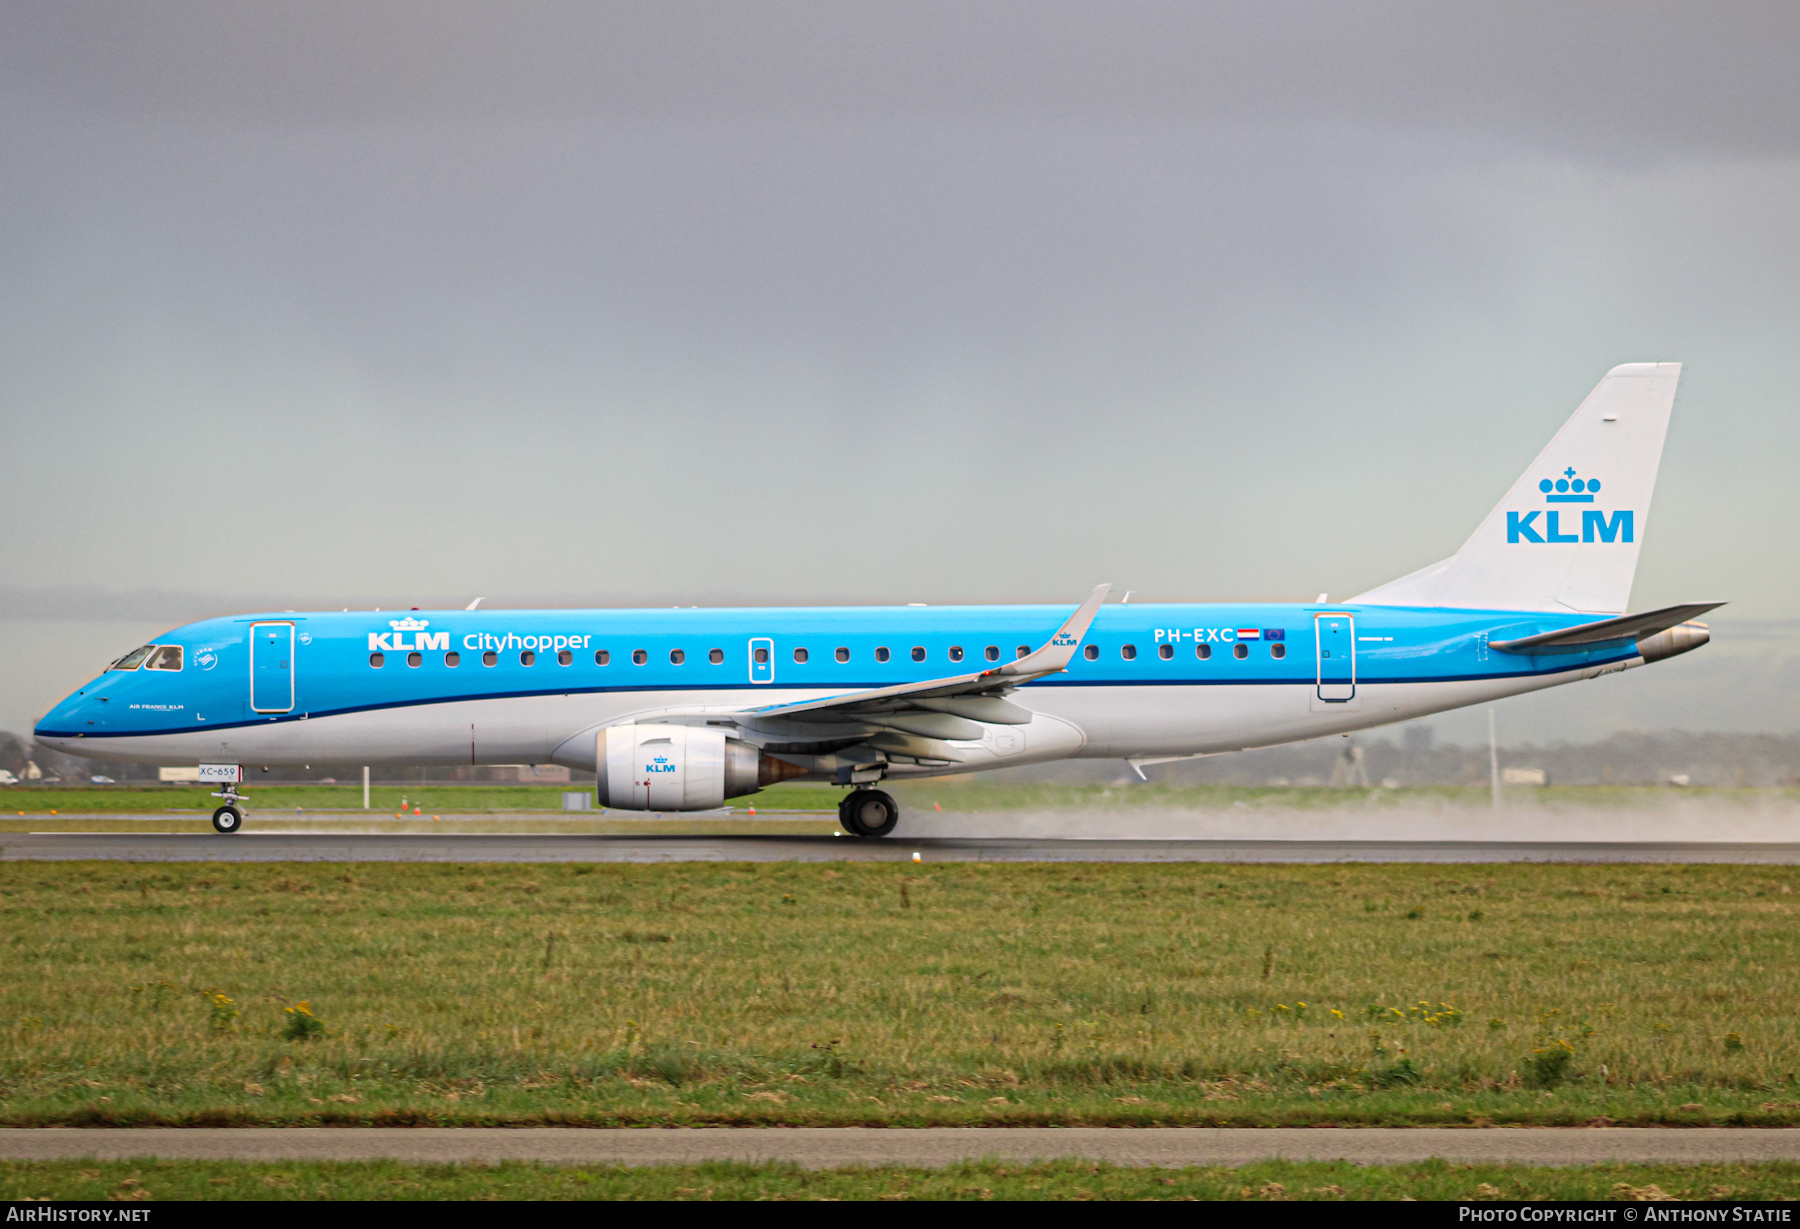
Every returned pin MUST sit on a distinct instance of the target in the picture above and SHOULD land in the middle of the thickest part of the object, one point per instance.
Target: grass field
(1270, 1181)
(898, 994)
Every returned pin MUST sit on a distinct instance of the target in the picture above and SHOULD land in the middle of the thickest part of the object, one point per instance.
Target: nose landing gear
(229, 818)
(868, 812)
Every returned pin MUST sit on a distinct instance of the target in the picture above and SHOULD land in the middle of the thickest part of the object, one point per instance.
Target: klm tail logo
(1596, 526)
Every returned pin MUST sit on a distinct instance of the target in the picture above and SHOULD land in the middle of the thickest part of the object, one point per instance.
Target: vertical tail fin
(1566, 536)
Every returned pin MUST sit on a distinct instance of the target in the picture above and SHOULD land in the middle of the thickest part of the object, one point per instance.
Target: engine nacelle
(679, 768)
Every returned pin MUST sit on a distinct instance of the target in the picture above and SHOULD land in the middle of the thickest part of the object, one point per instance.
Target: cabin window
(918, 653)
(800, 656)
(761, 657)
(1024, 650)
(639, 657)
(565, 658)
(1166, 652)
(133, 659)
(677, 656)
(527, 658)
(881, 654)
(1203, 651)
(1091, 652)
(842, 655)
(1128, 652)
(1278, 651)
(956, 652)
(167, 657)
(992, 652)
(378, 660)
(1240, 650)
(490, 658)
(415, 660)
(715, 656)
(453, 659)
(602, 657)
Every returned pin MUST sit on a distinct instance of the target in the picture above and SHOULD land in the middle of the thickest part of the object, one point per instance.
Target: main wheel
(869, 812)
(228, 819)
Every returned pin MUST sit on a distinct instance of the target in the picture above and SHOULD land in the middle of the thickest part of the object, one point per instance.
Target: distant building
(1524, 776)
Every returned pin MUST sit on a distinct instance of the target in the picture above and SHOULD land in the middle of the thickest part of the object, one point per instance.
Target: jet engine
(679, 768)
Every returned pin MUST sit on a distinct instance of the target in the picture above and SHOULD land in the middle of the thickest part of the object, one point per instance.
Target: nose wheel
(229, 818)
(868, 812)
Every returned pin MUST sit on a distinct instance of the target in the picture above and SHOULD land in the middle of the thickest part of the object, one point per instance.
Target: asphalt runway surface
(828, 1147)
(324, 847)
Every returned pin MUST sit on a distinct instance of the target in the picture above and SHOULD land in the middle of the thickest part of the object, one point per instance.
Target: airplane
(683, 709)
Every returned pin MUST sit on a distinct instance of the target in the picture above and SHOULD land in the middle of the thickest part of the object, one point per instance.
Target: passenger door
(1336, 641)
(272, 667)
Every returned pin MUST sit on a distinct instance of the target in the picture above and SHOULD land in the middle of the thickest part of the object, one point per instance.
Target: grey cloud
(1646, 76)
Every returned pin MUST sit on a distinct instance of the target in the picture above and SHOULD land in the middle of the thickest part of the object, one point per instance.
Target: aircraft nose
(63, 723)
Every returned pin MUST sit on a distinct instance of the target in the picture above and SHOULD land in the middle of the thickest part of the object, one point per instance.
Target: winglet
(1060, 650)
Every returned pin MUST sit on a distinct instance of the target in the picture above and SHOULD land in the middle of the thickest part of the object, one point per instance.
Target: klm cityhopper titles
(679, 710)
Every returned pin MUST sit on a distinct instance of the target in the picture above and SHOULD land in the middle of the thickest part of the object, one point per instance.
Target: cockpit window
(166, 657)
(133, 659)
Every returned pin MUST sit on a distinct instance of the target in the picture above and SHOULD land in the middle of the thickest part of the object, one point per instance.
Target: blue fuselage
(243, 675)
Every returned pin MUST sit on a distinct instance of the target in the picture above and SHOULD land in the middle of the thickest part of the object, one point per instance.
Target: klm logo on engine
(659, 764)
(396, 642)
(1596, 525)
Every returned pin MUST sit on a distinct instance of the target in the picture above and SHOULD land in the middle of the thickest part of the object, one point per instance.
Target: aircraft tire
(228, 820)
(869, 813)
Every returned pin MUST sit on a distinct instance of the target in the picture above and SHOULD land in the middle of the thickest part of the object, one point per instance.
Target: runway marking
(828, 1147)
(330, 847)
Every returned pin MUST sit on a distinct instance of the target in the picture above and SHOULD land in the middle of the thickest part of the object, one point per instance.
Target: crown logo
(409, 624)
(1569, 489)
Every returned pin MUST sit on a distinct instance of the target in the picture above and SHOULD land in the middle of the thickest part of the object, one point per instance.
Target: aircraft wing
(973, 689)
(1625, 627)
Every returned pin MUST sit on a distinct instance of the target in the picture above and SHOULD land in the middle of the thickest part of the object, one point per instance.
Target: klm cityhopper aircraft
(679, 710)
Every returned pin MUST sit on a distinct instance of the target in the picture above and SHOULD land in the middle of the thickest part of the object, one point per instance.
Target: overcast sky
(400, 304)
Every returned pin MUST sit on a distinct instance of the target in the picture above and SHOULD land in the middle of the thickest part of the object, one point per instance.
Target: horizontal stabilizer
(1625, 627)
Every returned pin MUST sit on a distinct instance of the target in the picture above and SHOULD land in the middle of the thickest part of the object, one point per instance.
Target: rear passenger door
(1336, 657)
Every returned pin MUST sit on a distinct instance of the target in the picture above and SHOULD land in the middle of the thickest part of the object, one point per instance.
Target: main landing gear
(868, 812)
(229, 818)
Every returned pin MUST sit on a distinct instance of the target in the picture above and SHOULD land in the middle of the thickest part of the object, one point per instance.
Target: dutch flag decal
(1249, 633)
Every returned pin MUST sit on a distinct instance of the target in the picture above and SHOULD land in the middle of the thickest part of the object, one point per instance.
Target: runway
(501, 847)
(828, 1147)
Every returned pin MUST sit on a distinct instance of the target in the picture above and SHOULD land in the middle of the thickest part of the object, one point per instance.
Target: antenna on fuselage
(472, 605)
